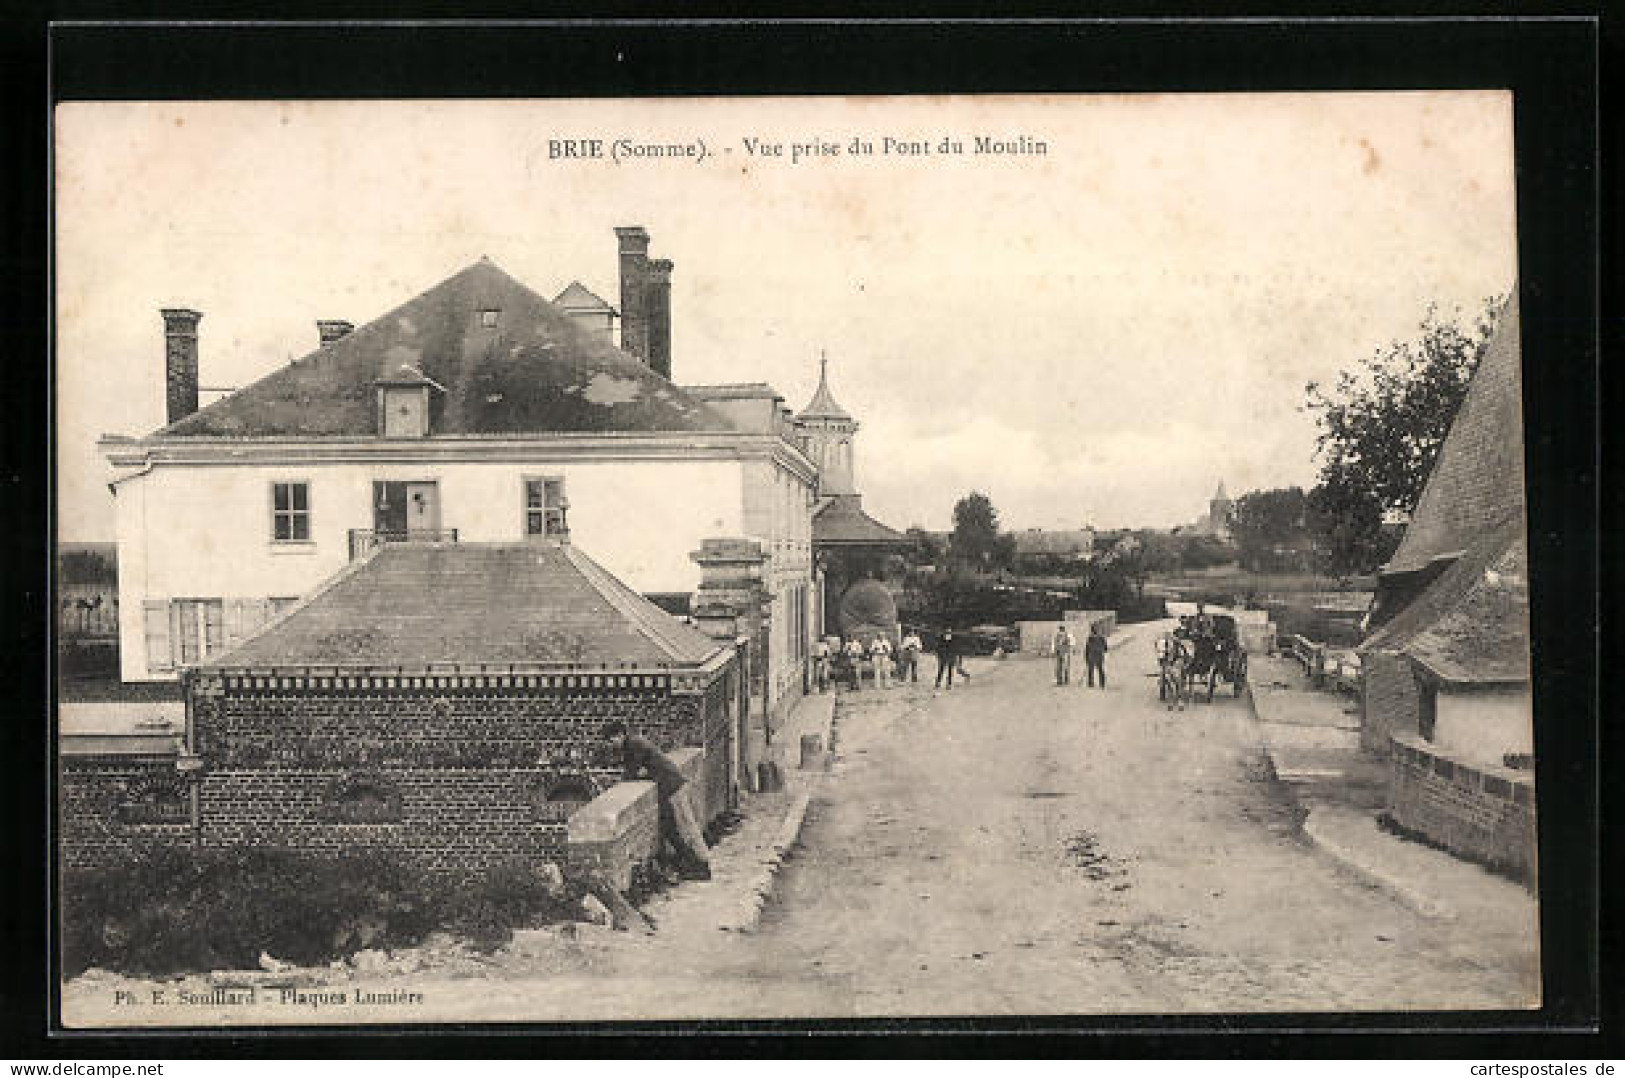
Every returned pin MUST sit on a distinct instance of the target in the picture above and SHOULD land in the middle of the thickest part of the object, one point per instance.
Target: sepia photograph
(841, 557)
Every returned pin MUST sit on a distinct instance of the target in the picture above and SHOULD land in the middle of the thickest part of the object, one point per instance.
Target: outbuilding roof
(842, 522)
(1470, 626)
(414, 604)
(510, 362)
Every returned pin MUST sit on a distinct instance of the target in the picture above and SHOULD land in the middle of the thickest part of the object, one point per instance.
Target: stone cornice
(703, 445)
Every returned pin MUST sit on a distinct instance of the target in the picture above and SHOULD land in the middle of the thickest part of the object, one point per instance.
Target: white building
(476, 412)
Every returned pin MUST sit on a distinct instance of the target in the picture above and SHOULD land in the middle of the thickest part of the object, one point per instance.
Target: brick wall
(1480, 813)
(1390, 700)
(95, 795)
(455, 779)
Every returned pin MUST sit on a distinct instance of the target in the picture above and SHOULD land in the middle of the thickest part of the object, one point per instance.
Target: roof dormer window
(403, 403)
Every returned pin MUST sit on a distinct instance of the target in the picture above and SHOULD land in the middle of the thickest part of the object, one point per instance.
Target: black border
(1550, 64)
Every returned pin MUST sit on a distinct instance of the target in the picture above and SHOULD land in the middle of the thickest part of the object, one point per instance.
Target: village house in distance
(475, 412)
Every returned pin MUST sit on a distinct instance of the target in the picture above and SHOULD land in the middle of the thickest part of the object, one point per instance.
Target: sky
(1098, 334)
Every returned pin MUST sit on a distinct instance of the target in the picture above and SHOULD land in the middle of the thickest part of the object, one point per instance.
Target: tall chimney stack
(658, 311)
(331, 329)
(634, 250)
(180, 361)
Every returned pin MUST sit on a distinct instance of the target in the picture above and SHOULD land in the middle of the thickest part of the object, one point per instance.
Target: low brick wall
(1481, 813)
(620, 828)
(112, 808)
(454, 777)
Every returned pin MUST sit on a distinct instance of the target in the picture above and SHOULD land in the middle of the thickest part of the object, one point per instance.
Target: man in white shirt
(880, 657)
(854, 656)
(909, 667)
(1063, 645)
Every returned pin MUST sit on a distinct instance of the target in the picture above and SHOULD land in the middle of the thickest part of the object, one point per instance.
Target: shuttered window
(155, 614)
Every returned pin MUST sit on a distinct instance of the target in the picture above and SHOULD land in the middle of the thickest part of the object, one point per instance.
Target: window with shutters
(181, 632)
(290, 512)
(545, 506)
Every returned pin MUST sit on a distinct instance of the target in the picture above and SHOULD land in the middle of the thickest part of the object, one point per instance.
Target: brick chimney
(634, 251)
(331, 329)
(180, 361)
(658, 310)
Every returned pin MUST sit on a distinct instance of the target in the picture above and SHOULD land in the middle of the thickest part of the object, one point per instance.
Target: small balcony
(364, 541)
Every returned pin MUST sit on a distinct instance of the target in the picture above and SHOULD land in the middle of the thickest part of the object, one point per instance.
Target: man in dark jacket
(947, 656)
(642, 758)
(1094, 655)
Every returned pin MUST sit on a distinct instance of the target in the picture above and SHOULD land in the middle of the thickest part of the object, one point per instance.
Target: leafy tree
(927, 549)
(976, 539)
(1382, 424)
(1271, 529)
(1345, 522)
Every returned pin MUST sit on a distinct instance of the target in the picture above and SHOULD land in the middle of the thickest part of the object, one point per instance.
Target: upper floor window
(545, 507)
(290, 512)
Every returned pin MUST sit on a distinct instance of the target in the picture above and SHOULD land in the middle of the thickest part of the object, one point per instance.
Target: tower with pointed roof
(1220, 510)
(828, 431)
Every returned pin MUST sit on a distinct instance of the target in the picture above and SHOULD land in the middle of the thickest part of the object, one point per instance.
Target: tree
(1271, 529)
(976, 539)
(1345, 523)
(926, 549)
(1382, 424)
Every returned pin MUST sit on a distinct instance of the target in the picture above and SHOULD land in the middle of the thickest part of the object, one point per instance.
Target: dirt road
(1013, 847)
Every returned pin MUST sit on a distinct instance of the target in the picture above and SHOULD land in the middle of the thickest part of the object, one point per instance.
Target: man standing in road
(1094, 655)
(1063, 655)
(880, 660)
(854, 659)
(820, 656)
(640, 758)
(910, 652)
(947, 656)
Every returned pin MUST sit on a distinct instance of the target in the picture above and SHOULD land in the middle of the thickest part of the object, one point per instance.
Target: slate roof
(472, 603)
(536, 371)
(823, 404)
(842, 522)
(1478, 478)
(1471, 626)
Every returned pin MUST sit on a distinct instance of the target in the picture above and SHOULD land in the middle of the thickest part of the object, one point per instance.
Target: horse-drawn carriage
(1206, 647)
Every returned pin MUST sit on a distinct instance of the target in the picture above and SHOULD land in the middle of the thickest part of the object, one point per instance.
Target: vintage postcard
(545, 560)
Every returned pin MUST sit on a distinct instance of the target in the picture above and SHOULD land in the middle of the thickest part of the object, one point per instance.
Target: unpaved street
(1005, 848)
(1013, 847)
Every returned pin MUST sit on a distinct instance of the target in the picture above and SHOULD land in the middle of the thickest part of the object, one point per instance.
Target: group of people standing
(1094, 654)
(844, 661)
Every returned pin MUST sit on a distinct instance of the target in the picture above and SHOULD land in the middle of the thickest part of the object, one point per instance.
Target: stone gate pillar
(732, 603)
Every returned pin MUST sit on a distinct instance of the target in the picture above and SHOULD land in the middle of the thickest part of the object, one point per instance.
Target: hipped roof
(842, 522)
(413, 604)
(536, 371)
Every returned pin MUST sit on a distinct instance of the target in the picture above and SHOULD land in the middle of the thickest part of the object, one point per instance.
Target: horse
(1173, 671)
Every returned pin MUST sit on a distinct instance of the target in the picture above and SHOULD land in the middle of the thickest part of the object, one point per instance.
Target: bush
(177, 911)
(506, 897)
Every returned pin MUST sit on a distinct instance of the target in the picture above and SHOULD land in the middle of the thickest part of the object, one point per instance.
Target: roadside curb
(1319, 836)
(761, 885)
(1374, 874)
